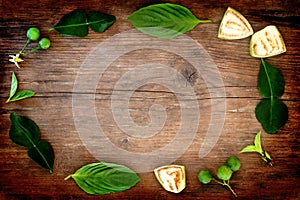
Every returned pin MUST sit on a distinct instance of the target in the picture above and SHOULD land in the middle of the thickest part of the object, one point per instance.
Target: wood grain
(51, 74)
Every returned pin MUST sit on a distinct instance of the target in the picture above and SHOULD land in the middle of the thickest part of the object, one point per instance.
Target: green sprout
(256, 147)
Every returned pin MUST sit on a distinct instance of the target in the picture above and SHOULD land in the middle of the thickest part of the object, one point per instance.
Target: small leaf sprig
(14, 95)
(256, 147)
(26, 133)
(224, 172)
(33, 35)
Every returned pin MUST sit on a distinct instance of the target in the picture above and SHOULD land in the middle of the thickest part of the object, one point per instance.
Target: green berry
(33, 34)
(44, 43)
(224, 172)
(234, 163)
(205, 176)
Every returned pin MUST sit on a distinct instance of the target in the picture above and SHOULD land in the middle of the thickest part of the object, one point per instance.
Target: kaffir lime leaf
(33, 34)
(171, 177)
(266, 43)
(234, 163)
(224, 172)
(234, 26)
(205, 176)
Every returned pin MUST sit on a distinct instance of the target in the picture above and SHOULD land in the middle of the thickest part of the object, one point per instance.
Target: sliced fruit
(234, 26)
(267, 42)
(171, 177)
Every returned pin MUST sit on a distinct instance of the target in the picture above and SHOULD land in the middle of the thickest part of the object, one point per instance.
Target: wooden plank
(52, 74)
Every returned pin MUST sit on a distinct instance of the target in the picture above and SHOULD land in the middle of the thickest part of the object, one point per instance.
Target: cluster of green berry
(224, 172)
(33, 34)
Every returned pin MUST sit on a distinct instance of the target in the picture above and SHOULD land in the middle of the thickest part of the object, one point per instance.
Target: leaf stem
(224, 183)
(68, 177)
(229, 187)
(205, 21)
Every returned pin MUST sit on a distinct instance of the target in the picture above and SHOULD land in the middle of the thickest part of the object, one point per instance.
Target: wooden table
(52, 73)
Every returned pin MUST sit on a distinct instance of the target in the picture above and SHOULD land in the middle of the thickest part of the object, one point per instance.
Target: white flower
(15, 59)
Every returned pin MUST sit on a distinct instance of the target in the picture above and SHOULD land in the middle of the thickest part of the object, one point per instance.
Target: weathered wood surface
(51, 74)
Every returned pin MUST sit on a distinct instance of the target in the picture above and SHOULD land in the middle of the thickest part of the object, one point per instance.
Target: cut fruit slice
(171, 177)
(234, 26)
(266, 43)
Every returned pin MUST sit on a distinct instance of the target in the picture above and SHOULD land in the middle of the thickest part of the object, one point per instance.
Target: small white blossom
(15, 59)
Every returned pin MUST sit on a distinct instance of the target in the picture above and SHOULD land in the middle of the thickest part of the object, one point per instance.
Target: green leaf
(43, 155)
(205, 176)
(76, 23)
(272, 114)
(22, 95)
(99, 22)
(23, 131)
(73, 24)
(249, 148)
(270, 81)
(104, 178)
(164, 20)
(257, 143)
(13, 87)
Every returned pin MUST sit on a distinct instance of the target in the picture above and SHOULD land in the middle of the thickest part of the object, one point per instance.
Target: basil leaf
(270, 81)
(249, 148)
(257, 142)
(73, 24)
(43, 155)
(164, 20)
(23, 131)
(22, 95)
(99, 22)
(272, 114)
(13, 87)
(104, 178)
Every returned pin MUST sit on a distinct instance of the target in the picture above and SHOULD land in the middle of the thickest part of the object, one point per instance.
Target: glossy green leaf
(272, 114)
(99, 22)
(76, 23)
(257, 142)
(104, 178)
(43, 155)
(13, 87)
(22, 95)
(164, 20)
(270, 81)
(249, 148)
(23, 131)
(205, 176)
(73, 24)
